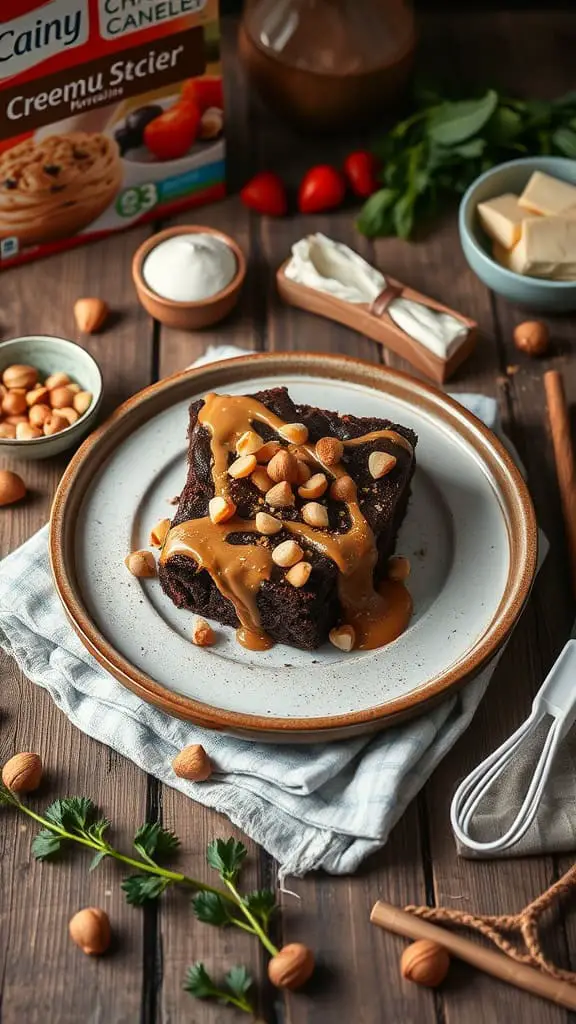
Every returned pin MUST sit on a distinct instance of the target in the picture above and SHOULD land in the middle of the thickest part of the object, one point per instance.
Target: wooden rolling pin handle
(488, 960)
(564, 458)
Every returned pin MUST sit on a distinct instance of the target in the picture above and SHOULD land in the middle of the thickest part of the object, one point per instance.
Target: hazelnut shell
(23, 772)
(90, 929)
(425, 962)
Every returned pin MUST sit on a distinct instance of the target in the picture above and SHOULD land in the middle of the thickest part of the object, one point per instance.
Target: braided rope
(524, 924)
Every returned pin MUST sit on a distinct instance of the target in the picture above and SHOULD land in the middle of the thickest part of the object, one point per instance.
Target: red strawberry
(265, 193)
(321, 188)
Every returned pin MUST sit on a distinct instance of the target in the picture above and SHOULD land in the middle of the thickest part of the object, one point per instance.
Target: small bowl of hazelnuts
(50, 393)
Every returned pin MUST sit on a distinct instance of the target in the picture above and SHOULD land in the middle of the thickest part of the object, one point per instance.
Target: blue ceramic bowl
(531, 292)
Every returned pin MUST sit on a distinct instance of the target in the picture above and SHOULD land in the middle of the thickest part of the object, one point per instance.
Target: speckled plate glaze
(470, 534)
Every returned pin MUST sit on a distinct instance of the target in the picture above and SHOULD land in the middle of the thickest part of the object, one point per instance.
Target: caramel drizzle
(238, 570)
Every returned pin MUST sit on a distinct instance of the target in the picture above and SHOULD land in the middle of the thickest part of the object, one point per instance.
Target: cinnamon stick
(499, 965)
(564, 457)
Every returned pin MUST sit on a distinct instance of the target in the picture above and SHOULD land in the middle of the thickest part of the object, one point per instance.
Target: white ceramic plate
(469, 533)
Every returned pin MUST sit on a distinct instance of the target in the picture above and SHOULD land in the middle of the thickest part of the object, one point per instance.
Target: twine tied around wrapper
(500, 928)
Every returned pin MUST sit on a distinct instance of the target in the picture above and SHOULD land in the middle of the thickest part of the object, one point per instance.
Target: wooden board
(43, 978)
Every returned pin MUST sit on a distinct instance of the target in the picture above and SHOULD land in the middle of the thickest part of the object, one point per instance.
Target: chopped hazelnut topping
(343, 489)
(315, 514)
(380, 463)
(283, 466)
(248, 443)
(221, 509)
(299, 574)
(267, 524)
(287, 554)
(268, 450)
(343, 637)
(314, 487)
(280, 495)
(304, 471)
(158, 533)
(295, 433)
(202, 633)
(329, 450)
(242, 467)
(261, 480)
(141, 563)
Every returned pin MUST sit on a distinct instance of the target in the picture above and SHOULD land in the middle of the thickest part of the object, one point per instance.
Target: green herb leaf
(210, 908)
(151, 840)
(46, 844)
(73, 814)
(403, 215)
(454, 122)
(504, 126)
(239, 981)
(6, 797)
(96, 859)
(261, 904)
(226, 856)
(375, 216)
(140, 889)
(199, 983)
(565, 140)
(97, 829)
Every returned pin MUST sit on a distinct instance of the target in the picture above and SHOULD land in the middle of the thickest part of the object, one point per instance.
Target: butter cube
(547, 248)
(509, 258)
(502, 219)
(548, 196)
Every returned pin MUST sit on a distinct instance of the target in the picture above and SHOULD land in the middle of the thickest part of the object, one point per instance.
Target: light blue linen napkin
(324, 806)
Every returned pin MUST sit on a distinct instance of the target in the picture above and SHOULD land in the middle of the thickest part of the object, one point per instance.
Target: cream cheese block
(547, 248)
(548, 196)
(502, 219)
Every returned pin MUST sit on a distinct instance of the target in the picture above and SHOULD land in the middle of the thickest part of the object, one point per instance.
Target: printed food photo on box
(111, 112)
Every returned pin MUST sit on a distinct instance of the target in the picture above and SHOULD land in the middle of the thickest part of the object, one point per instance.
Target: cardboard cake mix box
(111, 113)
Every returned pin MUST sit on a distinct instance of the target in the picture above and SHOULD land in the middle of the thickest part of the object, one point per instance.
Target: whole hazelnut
(192, 763)
(20, 376)
(12, 487)
(54, 424)
(61, 397)
(38, 414)
(292, 966)
(23, 772)
(81, 402)
(14, 404)
(69, 414)
(7, 430)
(532, 337)
(56, 380)
(36, 396)
(425, 962)
(26, 432)
(90, 929)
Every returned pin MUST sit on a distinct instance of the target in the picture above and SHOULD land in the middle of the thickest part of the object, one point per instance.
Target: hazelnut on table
(532, 337)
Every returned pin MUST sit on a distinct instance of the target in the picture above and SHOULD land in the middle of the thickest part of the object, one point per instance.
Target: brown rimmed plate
(470, 534)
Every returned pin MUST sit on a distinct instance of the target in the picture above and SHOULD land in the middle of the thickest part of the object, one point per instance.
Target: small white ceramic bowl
(536, 293)
(53, 355)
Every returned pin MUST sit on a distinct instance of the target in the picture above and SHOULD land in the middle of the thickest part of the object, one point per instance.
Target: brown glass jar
(328, 63)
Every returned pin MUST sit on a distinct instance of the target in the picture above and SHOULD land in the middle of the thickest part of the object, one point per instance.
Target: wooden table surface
(43, 977)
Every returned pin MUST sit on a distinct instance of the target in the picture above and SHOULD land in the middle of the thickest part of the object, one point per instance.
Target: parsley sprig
(76, 820)
(233, 991)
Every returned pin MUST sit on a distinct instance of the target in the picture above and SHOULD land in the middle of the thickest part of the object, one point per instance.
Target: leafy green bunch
(440, 149)
(76, 821)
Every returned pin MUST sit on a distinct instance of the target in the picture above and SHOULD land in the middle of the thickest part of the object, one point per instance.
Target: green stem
(152, 869)
(272, 949)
